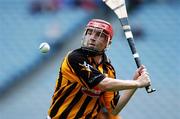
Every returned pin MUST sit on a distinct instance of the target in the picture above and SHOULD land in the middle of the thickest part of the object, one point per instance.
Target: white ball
(44, 47)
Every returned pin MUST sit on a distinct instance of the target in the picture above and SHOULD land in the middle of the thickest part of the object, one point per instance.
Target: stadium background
(27, 77)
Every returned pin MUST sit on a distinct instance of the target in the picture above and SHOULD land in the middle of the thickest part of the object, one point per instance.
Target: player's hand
(143, 80)
(139, 71)
(142, 77)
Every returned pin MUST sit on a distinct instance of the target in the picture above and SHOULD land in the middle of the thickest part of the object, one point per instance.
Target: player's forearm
(109, 84)
(123, 100)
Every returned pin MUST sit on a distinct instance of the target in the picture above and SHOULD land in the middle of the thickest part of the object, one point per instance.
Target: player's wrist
(137, 84)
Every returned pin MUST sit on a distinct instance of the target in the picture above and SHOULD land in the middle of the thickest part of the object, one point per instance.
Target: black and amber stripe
(77, 106)
(60, 100)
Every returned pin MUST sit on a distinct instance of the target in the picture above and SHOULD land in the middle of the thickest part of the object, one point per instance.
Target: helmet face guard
(102, 29)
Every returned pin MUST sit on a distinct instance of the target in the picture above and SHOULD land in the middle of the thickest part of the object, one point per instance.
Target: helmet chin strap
(94, 52)
(91, 51)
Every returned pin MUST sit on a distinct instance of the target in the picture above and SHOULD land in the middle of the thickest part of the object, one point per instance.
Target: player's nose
(94, 35)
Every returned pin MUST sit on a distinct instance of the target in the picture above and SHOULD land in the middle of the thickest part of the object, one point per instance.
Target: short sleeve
(87, 74)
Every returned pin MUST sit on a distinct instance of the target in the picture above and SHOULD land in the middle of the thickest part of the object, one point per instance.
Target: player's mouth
(91, 45)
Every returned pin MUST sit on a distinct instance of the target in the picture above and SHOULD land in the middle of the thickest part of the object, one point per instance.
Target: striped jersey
(76, 95)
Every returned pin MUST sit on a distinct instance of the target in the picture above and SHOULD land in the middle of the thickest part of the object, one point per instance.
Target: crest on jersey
(86, 67)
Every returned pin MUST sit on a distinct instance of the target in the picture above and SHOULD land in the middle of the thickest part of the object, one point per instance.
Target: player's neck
(98, 59)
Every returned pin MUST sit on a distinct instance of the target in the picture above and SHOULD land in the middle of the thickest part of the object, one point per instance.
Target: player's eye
(103, 35)
(89, 31)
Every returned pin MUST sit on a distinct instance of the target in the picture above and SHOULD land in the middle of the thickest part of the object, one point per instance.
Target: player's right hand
(138, 72)
(143, 80)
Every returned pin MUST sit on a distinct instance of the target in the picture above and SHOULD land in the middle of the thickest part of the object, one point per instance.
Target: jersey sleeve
(88, 75)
